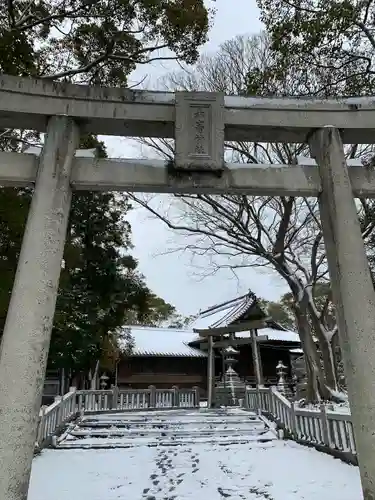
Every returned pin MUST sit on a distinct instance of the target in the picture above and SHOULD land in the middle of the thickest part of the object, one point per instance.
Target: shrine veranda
(199, 123)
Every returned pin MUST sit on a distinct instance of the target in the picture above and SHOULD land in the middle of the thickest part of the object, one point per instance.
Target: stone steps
(165, 429)
(170, 416)
(165, 432)
(152, 425)
(96, 443)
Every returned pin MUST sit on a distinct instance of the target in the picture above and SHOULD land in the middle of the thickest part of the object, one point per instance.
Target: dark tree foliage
(100, 288)
(95, 42)
(333, 38)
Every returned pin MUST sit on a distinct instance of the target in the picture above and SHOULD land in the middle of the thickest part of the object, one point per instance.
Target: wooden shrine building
(162, 357)
(165, 356)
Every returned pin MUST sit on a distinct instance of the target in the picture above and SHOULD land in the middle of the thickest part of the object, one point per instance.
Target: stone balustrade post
(175, 396)
(152, 390)
(40, 428)
(58, 399)
(115, 397)
(73, 404)
(293, 420)
(197, 395)
(325, 425)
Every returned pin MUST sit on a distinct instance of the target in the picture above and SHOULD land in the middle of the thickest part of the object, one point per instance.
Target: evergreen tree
(97, 42)
(331, 39)
(279, 312)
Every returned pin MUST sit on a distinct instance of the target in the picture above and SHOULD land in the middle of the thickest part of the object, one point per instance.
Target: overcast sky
(172, 276)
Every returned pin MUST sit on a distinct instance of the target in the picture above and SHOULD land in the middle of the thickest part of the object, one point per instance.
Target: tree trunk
(94, 378)
(335, 345)
(339, 365)
(324, 344)
(316, 387)
(328, 362)
(76, 381)
(317, 383)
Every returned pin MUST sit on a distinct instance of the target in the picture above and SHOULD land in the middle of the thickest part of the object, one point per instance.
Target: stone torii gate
(245, 316)
(199, 122)
(253, 339)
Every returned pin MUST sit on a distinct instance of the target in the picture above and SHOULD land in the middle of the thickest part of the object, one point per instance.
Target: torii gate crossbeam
(199, 122)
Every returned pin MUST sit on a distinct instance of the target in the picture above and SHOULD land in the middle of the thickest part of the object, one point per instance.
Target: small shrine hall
(238, 331)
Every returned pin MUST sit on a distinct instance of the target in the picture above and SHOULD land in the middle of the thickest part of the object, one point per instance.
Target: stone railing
(136, 399)
(329, 431)
(53, 417)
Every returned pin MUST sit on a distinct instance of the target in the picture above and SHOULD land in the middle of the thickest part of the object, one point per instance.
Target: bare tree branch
(282, 235)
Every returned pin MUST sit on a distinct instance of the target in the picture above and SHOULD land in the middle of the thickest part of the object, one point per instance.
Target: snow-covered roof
(281, 335)
(150, 341)
(296, 351)
(171, 342)
(275, 334)
(201, 323)
(240, 310)
(237, 312)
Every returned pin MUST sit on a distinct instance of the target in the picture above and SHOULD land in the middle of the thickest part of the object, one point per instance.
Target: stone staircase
(165, 428)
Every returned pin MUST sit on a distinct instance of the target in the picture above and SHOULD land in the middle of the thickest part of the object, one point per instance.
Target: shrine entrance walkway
(186, 455)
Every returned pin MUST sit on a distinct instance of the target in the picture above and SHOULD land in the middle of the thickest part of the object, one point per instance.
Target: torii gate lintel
(200, 124)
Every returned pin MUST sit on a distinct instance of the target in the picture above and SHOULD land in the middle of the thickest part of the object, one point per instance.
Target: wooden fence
(53, 417)
(327, 430)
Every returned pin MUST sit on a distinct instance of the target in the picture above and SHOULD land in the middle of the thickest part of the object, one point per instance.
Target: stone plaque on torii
(66, 111)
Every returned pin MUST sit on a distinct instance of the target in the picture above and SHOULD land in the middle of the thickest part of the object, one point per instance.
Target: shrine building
(164, 357)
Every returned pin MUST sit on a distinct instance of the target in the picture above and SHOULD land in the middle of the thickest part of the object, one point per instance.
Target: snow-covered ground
(274, 470)
(186, 454)
(342, 408)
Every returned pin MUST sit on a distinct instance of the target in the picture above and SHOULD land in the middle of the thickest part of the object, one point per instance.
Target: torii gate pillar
(353, 293)
(210, 372)
(257, 362)
(27, 331)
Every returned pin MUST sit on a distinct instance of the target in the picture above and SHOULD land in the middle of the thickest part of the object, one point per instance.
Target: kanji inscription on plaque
(199, 131)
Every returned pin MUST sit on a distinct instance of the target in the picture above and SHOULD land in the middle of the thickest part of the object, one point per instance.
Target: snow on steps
(166, 428)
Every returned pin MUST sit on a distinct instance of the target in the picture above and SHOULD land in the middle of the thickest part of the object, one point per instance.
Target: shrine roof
(274, 331)
(276, 334)
(168, 342)
(243, 310)
(240, 311)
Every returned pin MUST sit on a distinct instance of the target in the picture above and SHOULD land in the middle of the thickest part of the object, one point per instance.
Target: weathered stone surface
(199, 131)
(230, 390)
(353, 293)
(29, 102)
(27, 331)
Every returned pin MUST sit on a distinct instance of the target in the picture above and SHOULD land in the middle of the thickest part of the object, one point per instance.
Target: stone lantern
(104, 381)
(231, 389)
(282, 386)
(230, 354)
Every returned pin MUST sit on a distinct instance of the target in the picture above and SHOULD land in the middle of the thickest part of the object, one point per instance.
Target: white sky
(172, 276)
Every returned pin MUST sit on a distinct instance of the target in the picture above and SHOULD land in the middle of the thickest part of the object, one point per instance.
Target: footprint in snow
(223, 493)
